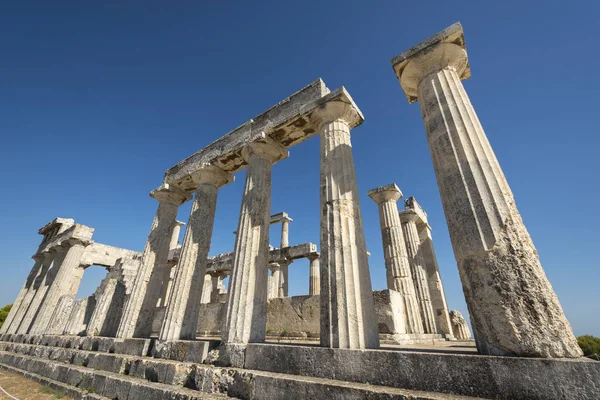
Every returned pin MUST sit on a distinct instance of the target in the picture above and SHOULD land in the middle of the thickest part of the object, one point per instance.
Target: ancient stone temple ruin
(162, 323)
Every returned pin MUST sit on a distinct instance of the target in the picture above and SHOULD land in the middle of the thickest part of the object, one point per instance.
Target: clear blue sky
(97, 99)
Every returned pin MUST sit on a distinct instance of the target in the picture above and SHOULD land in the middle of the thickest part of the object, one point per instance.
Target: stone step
(73, 392)
(100, 383)
(241, 383)
(179, 350)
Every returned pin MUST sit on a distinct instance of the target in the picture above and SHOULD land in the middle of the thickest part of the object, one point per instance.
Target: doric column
(181, 317)
(43, 281)
(206, 289)
(216, 283)
(67, 279)
(277, 281)
(314, 284)
(347, 313)
(513, 308)
(436, 288)
(103, 302)
(285, 231)
(246, 315)
(285, 273)
(459, 326)
(397, 265)
(19, 307)
(408, 218)
(139, 309)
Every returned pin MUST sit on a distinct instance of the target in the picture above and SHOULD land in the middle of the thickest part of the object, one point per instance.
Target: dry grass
(26, 389)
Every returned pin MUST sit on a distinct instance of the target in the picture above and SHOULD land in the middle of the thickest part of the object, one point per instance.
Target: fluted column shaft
(40, 286)
(285, 232)
(314, 284)
(19, 307)
(436, 288)
(175, 235)
(216, 281)
(103, 302)
(67, 277)
(513, 308)
(397, 264)
(277, 281)
(347, 312)
(153, 272)
(285, 273)
(181, 317)
(417, 267)
(246, 314)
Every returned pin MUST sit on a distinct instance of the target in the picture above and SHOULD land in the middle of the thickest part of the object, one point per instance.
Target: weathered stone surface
(347, 315)
(66, 283)
(181, 316)
(513, 308)
(80, 316)
(153, 272)
(436, 288)
(459, 326)
(314, 284)
(246, 315)
(513, 378)
(398, 268)
(408, 219)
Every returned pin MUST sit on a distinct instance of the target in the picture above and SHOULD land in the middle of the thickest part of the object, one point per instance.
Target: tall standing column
(513, 308)
(285, 273)
(285, 232)
(397, 265)
(277, 281)
(347, 312)
(66, 278)
(175, 235)
(436, 288)
(246, 314)
(19, 307)
(42, 283)
(217, 282)
(153, 272)
(181, 317)
(408, 218)
(314, 284)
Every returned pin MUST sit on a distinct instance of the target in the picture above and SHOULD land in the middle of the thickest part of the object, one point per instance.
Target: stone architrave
(459, 326)
(408, 218)
(183, 307)
(42, 283)
(347, 313)
(398, 267)
(19, 307)
(513, 308)
(63, 287)
(153, 272)
(436, 288)
(246, 313)
(314, 284)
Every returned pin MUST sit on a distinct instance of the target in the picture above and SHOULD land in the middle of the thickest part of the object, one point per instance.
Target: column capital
(170, 194)
(179, 223)
(281, 217)
(408, 216)
(445, 49)
(389, 192)
(313, 256)
(274, 266)
(335, 110)
(264, 148)
(212, 175)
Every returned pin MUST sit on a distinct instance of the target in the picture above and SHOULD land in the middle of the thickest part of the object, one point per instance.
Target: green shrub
(4, 313)
(590, 346)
